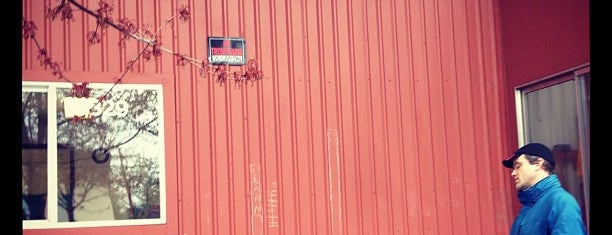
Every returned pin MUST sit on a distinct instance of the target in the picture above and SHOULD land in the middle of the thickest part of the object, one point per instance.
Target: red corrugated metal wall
(374, 117)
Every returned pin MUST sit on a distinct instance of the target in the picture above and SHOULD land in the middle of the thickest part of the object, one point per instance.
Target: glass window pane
(103, 157)
(34, 154)
(551, 118)
(109, 166)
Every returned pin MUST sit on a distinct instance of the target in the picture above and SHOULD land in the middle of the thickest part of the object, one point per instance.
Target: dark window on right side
(556, 112)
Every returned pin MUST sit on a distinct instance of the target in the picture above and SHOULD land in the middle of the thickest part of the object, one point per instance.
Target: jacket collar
(529, 196)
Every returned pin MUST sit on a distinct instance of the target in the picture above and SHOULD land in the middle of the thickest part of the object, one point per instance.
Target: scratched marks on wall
(272, 215)
(335, 183)
(257, 205)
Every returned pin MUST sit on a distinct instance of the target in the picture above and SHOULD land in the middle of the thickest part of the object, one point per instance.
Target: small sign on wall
(226, 50)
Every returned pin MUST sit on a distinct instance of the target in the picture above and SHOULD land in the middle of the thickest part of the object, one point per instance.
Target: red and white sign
(222, 50)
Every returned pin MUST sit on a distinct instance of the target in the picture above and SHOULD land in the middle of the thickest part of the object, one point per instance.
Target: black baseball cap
(533, 149)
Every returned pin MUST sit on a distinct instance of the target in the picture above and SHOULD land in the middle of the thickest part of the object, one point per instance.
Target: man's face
(524, 174)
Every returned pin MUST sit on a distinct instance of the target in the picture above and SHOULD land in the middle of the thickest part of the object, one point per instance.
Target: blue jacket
(548, 209)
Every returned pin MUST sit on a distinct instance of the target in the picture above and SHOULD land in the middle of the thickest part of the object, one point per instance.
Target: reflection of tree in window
(34, 122)
(128, 174)
(34, 153)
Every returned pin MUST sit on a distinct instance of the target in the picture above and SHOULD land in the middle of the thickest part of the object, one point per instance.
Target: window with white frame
(555, 111)
(92, 159)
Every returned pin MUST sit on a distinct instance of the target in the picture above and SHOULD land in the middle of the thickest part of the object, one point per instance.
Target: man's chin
(519, 187)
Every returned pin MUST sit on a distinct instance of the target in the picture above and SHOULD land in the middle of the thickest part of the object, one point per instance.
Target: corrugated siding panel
(375, 117)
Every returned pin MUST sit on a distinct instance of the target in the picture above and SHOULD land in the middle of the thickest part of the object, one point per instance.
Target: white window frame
(51, 220)
(582, 99)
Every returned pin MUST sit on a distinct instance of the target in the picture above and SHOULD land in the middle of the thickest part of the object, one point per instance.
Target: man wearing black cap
(547, 208)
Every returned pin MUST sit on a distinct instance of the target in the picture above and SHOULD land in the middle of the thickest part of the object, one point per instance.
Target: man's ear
(540, 162)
